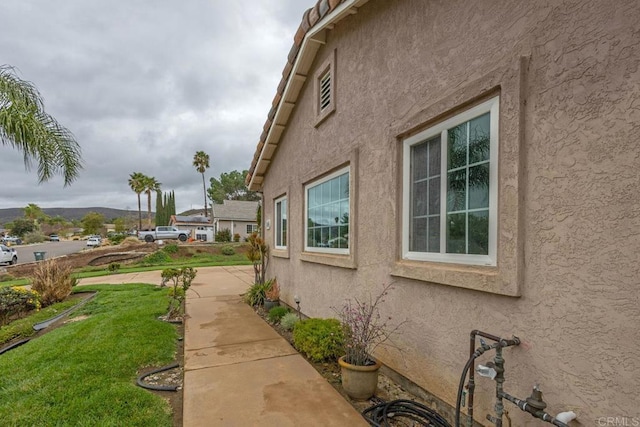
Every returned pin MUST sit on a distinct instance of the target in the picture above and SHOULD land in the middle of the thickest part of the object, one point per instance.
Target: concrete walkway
(237, 370)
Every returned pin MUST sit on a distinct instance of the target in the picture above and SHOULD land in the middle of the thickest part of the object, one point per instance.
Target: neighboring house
(484, 157)
(193, 223)
(239, 217)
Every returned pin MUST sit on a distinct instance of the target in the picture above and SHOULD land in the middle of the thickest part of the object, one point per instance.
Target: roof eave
(294, 77)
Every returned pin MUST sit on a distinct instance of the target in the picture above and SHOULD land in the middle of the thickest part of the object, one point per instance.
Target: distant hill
(8, 215)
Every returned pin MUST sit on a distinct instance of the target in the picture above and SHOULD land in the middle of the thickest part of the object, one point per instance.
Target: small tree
(180, 280)
(92, 222)
(258, 254)
(21, 226)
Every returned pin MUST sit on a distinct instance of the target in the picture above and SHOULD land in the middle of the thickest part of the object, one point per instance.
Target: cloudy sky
(143, 85)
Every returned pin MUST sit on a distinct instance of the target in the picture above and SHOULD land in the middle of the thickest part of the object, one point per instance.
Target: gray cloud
(143, 85)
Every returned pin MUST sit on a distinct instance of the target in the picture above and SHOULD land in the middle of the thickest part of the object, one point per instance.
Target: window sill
(342, 261)
(280, 253)
(478, 278)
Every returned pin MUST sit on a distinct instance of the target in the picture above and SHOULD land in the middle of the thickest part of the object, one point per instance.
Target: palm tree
(201, 162)
(25, 125)
(137, 184)
(150, 185)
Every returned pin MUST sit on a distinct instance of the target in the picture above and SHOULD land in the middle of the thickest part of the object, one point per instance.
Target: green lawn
(83, 373)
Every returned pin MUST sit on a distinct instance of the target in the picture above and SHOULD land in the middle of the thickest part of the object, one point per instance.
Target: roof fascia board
(343, 10)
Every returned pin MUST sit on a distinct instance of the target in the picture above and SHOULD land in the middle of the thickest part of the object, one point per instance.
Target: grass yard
(83, 373)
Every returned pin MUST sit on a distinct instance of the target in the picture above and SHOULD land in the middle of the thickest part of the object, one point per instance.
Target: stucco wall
(239, 227)
(569, 236)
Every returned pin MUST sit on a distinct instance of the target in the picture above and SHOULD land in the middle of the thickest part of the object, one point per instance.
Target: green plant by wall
(258, 254)
(171, 248)
(228, 250)
(257, 293)
(223, 235)
(276, 313)
(236, 237)
(15, 301)
(319, 339)
(289, 321)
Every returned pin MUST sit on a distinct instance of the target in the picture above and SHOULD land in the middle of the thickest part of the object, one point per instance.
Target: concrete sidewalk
(240, 372)
(237, 370)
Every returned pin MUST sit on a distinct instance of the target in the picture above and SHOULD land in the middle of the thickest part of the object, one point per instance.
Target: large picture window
(327, 214)
(281, 223)
(450, 189)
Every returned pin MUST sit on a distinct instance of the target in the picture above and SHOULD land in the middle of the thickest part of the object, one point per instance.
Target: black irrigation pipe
(379, 415)
(46, 323)
(141, 383)
(14, 345)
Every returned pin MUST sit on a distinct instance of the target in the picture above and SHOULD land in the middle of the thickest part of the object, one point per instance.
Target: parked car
(12, 240)
(8, 255)
(54, 238)
(93, 242)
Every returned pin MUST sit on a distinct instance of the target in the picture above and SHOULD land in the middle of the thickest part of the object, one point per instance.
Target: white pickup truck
(165, 232)
(8, 255)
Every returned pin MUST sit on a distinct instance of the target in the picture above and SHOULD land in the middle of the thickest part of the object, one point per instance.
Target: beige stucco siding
(566, 283)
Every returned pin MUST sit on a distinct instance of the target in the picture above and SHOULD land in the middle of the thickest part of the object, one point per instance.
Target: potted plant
(364, 329)
(272, 296)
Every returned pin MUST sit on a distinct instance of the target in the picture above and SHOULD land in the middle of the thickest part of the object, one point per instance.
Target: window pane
(457, 146)
(278, 224)
(420, 198)
(456, 236)
(479, 232)
(330, 213)
(326, 192)
(434, 234)
(419, 235)
(479, 186)
(434, 156)
(456, 190)
(434, 196)
(344, 185)
(335, 189)
(479, 139)
(344, 212)
(419, 156)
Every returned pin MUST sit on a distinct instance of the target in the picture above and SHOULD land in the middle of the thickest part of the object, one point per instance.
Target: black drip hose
(14, 345)
(141, 383)
(379, 415)
(461, 387)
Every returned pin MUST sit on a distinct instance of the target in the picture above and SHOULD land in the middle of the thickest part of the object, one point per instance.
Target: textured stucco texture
(566, 281)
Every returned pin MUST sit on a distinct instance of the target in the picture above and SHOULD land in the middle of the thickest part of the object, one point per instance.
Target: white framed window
(280, 228)
(327, 216)
(252, 228)
(450, 194)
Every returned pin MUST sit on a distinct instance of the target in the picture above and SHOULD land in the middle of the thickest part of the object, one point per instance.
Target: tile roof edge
(310, 19)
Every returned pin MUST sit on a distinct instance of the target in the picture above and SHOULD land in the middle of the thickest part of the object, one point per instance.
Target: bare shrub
(53, 281)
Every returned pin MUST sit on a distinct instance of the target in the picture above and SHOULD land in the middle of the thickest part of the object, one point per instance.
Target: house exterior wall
(239, 227)
(566, 281)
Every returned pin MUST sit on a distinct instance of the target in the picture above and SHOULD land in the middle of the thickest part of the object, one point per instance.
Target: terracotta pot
(359, 382)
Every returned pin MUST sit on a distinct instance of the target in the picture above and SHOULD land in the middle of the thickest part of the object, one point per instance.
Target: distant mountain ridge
(9, 214)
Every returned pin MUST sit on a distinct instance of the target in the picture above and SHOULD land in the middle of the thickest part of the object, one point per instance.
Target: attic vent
(325, 91)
